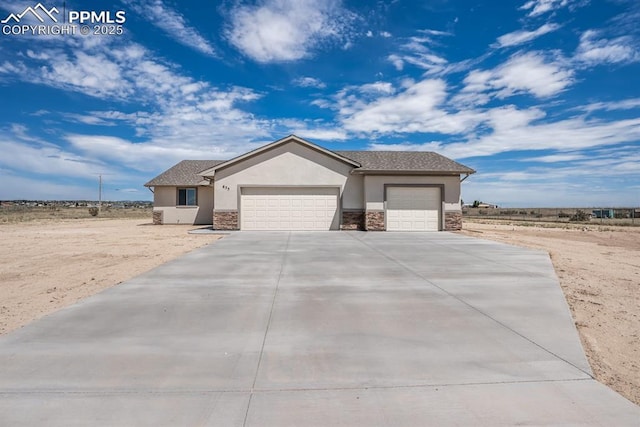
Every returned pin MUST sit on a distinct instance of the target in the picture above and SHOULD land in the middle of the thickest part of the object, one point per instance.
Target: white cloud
(385, 88)
(12, 68)
(519, 37)
(434, 32)
(141, 156)
(180, 111)
(593, 50)
(578, 183)
(172, 23)
(95, 74)
(287, 30)
(540, 7)
(519, 130)
(418, 51)
(522, 73)
(397, 61)
(385, 34)
(87, 119)
(417, 108)
(309, 82)
(44, 159)
(624, 104)
(555, 158)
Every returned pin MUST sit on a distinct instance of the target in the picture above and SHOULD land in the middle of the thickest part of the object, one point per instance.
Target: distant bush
(563, 215)
(93, 211)
(580, 216)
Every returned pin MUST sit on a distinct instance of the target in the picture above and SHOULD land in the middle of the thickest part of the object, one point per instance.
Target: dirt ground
(599, 271)
(47, 265)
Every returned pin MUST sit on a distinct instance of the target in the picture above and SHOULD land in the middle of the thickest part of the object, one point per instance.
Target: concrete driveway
(336, 328)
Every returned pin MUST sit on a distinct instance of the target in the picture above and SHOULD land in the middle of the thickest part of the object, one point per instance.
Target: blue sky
(541, 97)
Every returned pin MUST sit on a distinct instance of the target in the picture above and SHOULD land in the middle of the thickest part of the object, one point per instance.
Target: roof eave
(409, 172)
(202, 183)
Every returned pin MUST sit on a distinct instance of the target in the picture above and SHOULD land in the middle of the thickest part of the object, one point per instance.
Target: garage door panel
(413, 208)
(290, 208)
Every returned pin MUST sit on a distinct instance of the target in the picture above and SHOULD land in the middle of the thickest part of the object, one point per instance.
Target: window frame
(186, 196)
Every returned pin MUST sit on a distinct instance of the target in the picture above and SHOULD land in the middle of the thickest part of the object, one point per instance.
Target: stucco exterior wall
(374, 189)
(287, 165)
(205, 204)
(353, 194)
(165, 199)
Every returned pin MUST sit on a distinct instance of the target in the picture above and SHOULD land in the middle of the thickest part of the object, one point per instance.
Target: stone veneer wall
(157, 217)
(374, 221)
(352, 220)
(453, 221)
(225, 220)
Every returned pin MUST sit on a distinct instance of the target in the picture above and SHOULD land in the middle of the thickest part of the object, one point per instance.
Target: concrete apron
(335, 328)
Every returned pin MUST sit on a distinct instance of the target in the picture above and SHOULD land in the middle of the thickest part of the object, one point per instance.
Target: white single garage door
(413, 208)
(288, 208)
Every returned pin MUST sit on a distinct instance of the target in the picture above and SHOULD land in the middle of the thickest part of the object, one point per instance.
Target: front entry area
(289, 208)
(413, 208)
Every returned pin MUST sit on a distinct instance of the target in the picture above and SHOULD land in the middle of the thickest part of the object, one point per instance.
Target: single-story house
(293, 184)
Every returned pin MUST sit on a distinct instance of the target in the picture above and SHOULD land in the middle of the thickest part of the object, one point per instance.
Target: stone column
(374, 221)
(225, 220)
(352, 220)
(453, 221)
(157, 217)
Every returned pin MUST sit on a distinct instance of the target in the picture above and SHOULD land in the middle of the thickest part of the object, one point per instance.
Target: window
(187, 197)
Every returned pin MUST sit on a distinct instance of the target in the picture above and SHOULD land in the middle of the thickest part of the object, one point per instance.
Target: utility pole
(100, 193)
(100, 175)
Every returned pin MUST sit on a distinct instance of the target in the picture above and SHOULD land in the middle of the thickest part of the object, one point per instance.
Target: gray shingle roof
(416, 161)
(184, 173)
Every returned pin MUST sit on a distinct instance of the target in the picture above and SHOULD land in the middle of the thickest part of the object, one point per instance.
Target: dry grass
(16, 214)
(623, 216)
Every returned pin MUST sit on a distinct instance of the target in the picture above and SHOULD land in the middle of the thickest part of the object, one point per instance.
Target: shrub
(93, 211)
(580, 216)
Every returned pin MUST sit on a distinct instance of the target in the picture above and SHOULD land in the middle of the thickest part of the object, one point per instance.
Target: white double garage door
(288, 208)
(317, 208)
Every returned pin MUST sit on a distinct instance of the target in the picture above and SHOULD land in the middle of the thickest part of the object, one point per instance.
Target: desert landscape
(50, 262)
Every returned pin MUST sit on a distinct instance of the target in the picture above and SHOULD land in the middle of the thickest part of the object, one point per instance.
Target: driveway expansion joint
(452, 295)
(266, 332)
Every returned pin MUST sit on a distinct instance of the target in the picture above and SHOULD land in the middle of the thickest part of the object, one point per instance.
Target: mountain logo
(38, 11)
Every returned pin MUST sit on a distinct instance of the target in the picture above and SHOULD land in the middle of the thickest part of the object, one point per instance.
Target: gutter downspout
(467, 176)
(151, 190)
